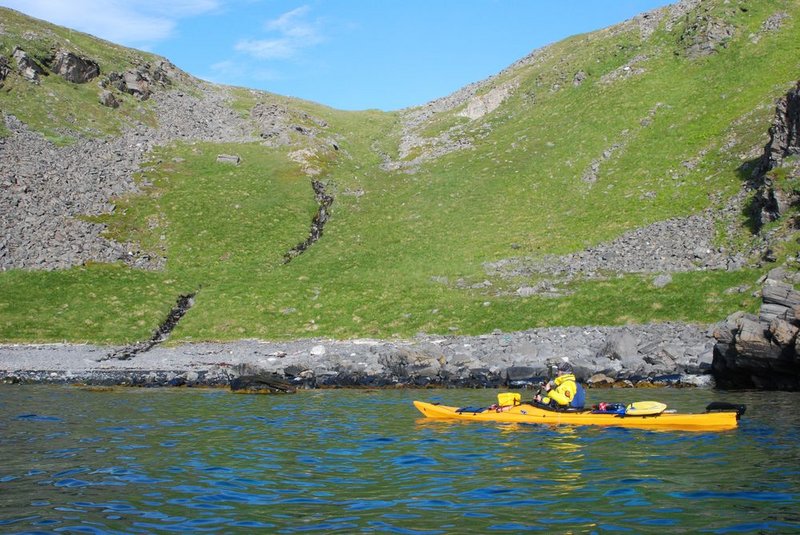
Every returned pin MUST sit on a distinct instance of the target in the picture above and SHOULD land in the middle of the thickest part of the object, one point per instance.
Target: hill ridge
(551, 193)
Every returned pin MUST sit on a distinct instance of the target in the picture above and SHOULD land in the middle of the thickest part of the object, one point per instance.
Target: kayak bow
(720, 418)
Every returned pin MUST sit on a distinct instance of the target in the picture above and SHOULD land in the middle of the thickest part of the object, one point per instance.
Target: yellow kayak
(718, 416)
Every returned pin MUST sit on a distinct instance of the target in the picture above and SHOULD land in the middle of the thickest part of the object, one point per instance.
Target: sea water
(78, 460)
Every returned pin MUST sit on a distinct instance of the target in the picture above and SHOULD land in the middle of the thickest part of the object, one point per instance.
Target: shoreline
(643, 355)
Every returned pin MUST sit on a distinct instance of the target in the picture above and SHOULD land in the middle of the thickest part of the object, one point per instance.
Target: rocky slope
(48, 189)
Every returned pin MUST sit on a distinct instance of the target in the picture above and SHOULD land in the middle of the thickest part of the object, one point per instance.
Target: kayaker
(563, 391)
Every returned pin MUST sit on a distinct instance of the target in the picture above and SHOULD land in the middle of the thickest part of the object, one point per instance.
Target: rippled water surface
(148, 461)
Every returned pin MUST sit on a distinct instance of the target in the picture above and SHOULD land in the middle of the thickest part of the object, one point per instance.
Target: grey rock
(425, 361)
(228, 158)
(780, 294)
(619, 346)
(769, 311)
(28, 67)
(73, 68)
(760, 351)
(771, 202)
(662, 280)
(705, 35)
(108, 99)
(5, 70)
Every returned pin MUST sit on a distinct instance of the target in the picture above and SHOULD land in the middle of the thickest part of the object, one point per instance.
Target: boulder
(781, 294)
(662, 280)
(783, 332)
(74, 68)
(138, 82)
(27, 66)
(231, 159)
(108, 99)
(600, 380)
(621, 346)
(524, 376)
(261, 384)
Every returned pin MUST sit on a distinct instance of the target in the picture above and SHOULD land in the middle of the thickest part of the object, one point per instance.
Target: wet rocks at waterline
(761, 351)
(658, 354)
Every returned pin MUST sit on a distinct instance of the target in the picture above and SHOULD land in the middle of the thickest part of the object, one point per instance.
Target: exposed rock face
(785, 131)
(142, 80)
(27, 66)
(5, 70)
(480, 105)
(761, 351)
(705, 35)
(276, 123)
(73, 68)
(771, 201)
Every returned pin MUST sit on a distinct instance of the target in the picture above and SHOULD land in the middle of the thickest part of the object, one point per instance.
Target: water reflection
(136, 460)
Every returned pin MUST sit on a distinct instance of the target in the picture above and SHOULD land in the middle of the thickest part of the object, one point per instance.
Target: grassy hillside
(646, 132)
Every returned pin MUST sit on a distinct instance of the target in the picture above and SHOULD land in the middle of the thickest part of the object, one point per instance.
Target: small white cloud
(294, 33)
(267, 48)
(291, 24)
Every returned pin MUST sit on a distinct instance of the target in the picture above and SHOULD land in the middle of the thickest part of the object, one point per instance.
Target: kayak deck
(531, 414)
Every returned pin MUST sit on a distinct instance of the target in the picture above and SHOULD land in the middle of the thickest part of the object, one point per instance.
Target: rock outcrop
(761, 351)
(785, 131)
(74, 68)
(772, 198)
(706, 35)
(27, 66)
(141, 81)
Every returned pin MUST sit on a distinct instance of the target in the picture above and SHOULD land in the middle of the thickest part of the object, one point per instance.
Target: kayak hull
(530, 414)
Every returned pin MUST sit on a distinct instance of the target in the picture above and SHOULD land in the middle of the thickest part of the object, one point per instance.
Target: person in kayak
(564, 391)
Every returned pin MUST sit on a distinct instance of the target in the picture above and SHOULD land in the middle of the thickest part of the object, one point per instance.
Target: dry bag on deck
(508, 398)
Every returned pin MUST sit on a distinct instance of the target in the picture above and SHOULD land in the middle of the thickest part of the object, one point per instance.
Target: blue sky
(349, 54)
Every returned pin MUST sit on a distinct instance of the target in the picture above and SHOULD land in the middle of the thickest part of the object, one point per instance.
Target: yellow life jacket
(564, 391)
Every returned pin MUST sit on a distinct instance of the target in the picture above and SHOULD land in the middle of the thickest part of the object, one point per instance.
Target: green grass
(98, 303)
(379, 269)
